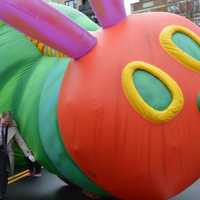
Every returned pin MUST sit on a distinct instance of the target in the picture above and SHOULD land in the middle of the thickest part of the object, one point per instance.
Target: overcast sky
(127, 4)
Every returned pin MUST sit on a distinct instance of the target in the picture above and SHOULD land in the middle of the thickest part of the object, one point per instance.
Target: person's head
(6, 118)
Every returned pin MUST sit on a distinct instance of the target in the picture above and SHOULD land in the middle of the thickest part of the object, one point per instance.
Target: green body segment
(29, 87)
(152, 90)
(19, 59)
(187, 44)
(76, 16)
(28, 109)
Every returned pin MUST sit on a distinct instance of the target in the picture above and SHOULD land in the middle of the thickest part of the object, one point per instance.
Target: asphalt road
(50, 187)
(191, 193)
(47, 187)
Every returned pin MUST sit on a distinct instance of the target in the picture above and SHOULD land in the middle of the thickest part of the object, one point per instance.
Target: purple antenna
(40, 21)
(109, 12)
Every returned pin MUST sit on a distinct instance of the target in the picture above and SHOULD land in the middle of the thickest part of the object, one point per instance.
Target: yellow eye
(183, 45)
(151, 92)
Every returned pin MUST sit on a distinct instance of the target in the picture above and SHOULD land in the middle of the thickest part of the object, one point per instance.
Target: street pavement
(50, 187)
(47, 187)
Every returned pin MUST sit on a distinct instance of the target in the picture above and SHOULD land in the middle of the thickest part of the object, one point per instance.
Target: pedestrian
(9, 134)
(4, 160)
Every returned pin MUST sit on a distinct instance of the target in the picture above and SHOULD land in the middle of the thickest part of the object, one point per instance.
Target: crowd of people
(9, 135)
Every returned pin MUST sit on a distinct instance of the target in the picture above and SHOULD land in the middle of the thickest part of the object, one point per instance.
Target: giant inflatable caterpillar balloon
(121, 116)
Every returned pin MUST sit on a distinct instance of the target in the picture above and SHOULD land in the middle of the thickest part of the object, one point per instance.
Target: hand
(31, 158)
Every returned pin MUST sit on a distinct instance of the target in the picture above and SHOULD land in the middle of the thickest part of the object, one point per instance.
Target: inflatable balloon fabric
(113, 110)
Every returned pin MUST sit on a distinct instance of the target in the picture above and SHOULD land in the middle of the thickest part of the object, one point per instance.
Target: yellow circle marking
(138, 103)
(171, 48)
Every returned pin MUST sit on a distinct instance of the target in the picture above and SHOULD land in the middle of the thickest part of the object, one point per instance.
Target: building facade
(188, 8)
(72, 3)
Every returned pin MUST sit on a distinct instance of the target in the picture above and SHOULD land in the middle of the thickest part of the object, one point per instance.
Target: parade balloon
(114, 110)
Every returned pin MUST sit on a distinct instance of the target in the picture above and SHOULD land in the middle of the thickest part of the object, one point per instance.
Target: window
(70, 3)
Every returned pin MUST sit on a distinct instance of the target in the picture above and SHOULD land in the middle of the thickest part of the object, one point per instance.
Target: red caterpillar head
(128, 110)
